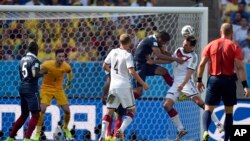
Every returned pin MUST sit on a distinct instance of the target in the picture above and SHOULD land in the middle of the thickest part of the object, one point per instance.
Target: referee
(223, 56)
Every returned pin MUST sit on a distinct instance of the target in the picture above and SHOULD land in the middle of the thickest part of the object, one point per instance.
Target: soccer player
(52, 87)
(29, 70)
(223, 56)
(152, 44)
(183, 82)
(120, 91)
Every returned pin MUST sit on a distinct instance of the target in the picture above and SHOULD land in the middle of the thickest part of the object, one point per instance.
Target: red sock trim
(136, 95)
(168, 79)
(109, 128)
(130, 114)
(118, 124)
(107, 118)
(172, 112)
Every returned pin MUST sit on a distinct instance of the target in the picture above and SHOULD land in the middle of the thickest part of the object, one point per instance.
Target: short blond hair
(124, 39)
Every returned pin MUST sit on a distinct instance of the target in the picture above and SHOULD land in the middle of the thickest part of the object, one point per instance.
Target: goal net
(87, 34)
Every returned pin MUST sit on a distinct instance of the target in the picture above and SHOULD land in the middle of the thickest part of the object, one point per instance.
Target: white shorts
(189, 90)
(119, 96)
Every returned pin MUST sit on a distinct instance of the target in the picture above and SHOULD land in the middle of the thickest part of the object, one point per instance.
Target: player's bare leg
(168, 106)
(40, 122)
(106, 120)
(66, 119)
(126, 122)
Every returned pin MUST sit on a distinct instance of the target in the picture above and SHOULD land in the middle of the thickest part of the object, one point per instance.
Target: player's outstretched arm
(162, 56)
(138, 78)
(158, 61)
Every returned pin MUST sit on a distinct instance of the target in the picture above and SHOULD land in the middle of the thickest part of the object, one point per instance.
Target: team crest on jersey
(180, 55)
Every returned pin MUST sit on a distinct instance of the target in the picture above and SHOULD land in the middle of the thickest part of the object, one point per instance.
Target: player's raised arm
(157, 52)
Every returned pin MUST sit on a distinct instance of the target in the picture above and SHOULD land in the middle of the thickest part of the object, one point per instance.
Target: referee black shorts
(221, 88)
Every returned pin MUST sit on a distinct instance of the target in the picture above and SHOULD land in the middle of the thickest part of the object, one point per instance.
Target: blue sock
(227, 126)
(206, 119)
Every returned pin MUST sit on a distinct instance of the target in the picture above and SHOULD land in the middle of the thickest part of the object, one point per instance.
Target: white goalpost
(87, 34)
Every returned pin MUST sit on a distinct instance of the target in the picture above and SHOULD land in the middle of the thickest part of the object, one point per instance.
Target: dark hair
(192, 40)
(164, 36)
(33, 47)
(60, 50)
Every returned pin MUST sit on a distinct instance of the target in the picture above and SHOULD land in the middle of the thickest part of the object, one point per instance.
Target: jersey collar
(31, 54)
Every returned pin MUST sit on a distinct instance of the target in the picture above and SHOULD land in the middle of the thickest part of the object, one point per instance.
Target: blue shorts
(144, 69)
(30, 102)
(221, 88)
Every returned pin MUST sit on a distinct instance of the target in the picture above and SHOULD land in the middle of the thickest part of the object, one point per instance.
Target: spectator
(236, 21)
(2, 53)
(246, 49)
(240, 34)
(242, 10)
(232, 6)
(34, 2)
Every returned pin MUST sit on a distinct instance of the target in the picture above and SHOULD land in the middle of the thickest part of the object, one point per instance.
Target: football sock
(227, 126)
(40, 120)
(118, 123)
(105, 122)
(32, 124)
(17, 125)
(109, 128)
(168, 79)
(66, 119)
(206, 119)
(40, 123)
(127, 120)
(175, 118)
(136, 95)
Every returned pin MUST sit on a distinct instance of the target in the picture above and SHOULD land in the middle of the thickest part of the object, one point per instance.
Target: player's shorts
(221, 88)
(48, 94)
(123, 96)
(189, 90)
(144, 69)
(30, 102)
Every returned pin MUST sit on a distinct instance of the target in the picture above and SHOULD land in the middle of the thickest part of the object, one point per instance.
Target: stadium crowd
(83, 39)
(237, 12)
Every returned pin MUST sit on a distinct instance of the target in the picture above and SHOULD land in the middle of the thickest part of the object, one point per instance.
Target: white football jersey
(120, 60)
(191, 62)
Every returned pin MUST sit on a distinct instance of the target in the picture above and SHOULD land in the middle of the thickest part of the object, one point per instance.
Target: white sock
(104, 127)
(177, 122)
(215, 119)
(126, 122)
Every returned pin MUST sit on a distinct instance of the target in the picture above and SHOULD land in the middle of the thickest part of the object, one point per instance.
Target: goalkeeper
(52, 87)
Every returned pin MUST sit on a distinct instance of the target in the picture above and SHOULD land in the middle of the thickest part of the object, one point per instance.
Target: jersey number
(24, 69)
(116, 67)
